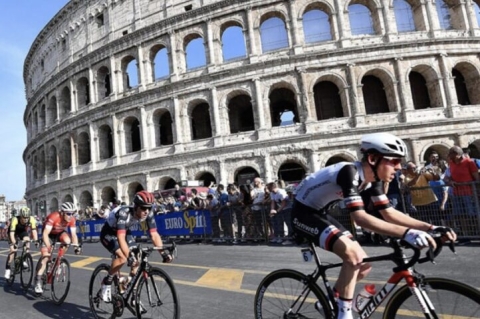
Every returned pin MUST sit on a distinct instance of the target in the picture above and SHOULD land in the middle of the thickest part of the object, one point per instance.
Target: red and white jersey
(58, 223)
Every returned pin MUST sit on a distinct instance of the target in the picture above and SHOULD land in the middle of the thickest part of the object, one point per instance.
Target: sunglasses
(69, 213)
(393, 160)
(144, 208)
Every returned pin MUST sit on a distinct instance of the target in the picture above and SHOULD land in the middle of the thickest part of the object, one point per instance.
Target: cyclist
(18, 230)
(116, 236)
(56, 230)
(360, 185)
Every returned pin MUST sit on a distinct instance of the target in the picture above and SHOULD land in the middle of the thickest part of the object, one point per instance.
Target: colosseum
(125, 95)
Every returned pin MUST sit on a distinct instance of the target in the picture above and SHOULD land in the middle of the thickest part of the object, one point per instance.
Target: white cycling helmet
(68, 207)
(383, 143)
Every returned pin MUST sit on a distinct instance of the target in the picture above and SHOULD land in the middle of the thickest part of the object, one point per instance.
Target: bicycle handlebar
(430, 254)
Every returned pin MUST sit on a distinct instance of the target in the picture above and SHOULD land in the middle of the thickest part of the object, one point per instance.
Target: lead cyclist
(358, 185)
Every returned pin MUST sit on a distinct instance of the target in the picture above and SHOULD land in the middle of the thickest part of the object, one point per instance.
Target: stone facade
(93, 137)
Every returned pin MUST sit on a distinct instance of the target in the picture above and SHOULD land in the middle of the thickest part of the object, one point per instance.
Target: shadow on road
(66, 310)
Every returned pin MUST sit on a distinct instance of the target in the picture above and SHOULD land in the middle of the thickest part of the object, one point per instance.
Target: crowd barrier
(239, 223)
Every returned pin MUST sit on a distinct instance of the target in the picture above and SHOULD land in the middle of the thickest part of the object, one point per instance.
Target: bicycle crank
(118, 305)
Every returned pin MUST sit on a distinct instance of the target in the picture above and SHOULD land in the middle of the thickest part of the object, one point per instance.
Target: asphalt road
(212, 281)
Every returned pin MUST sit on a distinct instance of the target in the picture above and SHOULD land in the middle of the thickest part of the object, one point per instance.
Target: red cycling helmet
(144, 199)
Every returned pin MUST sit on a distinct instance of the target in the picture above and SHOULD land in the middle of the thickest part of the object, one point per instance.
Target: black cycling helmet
(144, 199)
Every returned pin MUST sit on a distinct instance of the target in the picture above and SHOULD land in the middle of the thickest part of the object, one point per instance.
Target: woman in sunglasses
(359, 186)
(56, 229)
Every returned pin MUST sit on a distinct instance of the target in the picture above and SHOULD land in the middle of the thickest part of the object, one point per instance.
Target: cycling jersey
(341, 182)
(17, 227)
(58, 223)
(121, 220)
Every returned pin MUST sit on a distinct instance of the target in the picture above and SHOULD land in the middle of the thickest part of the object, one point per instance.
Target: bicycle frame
(402, 271)
(21, 257)
(61, 252)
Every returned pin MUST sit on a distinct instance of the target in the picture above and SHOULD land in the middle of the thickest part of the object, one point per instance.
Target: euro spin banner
(192, 222)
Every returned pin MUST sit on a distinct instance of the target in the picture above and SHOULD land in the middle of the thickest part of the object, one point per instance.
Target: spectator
(213, 205)
(462, 170)
(442, 192)
(268, 229)
(225, 216)
(280, 211)
(394, 193)
(178, 192)
(246, 214)
(236, 208)
(423, 197)
(258, 197)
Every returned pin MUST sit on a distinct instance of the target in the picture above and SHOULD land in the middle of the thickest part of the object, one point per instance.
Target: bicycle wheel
(156, 296)
(13, 271)
(60, 281)
(288, 293)
(26, 273)
(100, 308)
(450, 298)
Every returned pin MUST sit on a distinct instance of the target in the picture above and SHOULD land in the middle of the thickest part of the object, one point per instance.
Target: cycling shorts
(20, 235)
(54, 238)
(109, 239)
(317, 226)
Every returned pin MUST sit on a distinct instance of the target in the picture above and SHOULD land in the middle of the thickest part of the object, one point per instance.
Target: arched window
(161, 67)
(374, 95)
(195, 54)
(233, 43)
(461, 88)
(403, 16)
(83, 144)
(201, 126)
(443, 13)
(476, 8)
(419, 89)
(240, 114)
(316, 26)
(327, 100)
(105, 138)
(132, 74)
(360, 19)
(273, 34)
(166, 129)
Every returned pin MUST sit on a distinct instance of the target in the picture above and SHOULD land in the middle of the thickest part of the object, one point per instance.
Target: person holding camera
(422, 196)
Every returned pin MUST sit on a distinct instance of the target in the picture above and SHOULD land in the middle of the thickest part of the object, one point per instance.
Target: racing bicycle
(149, 294)
(22, 265)
(288, 293)
(57, 273)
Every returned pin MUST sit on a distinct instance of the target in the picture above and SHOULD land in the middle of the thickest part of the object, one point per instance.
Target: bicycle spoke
(26, 274)
(61, 281)
(157, 296)
(100, 308)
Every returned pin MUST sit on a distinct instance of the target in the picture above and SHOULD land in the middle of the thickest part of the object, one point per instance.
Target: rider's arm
(394, 216)
(11, 234)
(46, 232)
(122, 242)
(33, 225)
(365, 220)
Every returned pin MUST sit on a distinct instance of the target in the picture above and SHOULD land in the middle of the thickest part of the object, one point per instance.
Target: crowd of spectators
(445, 191)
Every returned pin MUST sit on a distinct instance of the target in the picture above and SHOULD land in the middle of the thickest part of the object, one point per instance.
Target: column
(432, 20)
(144, 131)
(296, 40)
(113, 77)
(340, 19)
(267, 163)
(448, 84)
(223, 178)
(357, 113)
(73, 100)
(259, 103)
(141, 71)
(177, 127)
(73, 155)
(216, 115)
(57, 106)
(251, 35)
(116, 140)
(472, 18)
(94, 147)
(211, 49)
(173, 56)
(91, 81)
(314, 164)
(305, 114)
(120, 195)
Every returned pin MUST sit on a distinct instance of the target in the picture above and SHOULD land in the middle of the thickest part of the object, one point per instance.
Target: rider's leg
(10, 257)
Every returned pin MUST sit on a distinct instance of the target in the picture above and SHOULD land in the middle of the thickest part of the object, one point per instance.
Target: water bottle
(364, 297)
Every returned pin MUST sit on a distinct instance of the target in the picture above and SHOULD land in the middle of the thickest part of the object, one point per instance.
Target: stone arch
(440, 147)
(389, 94)
(200, 123)
(322, 110)
(105, 141)
(83, 92)
(333, 157)
(52, 114)
(131, 189)
(65, 154)
(283, 97)
(68, 198)
(471, 77)
(206, 176)
(107, 195)
(52, 160)
(163, 124)
(327, 10)
(432, 88)
(128, 80)
(133, 136)
(224, 39)
(104, 82)
(372, 7)
(85, 199)
(53, 206)
(240, 111)
(166, 182)
(245, 174)
(281, 42)
(154, 59)
(83, 148)
(292, 170)
(65, 103)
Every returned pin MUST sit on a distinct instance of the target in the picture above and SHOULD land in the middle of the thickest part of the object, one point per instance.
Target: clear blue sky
(21, 22)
